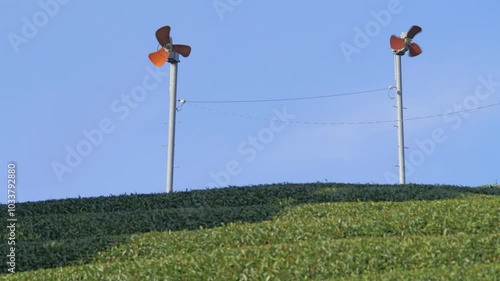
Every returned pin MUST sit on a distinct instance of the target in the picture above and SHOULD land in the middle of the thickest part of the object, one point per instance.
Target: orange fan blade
(414, 30)
(415, 50)
(397, 43)
(159, 57)
(163, 35)
(184, 50)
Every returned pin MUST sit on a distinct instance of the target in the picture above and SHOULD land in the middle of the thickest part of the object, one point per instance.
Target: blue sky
(68, 68)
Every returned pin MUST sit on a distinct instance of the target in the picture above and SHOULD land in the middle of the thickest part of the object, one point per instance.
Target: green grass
(275, 232)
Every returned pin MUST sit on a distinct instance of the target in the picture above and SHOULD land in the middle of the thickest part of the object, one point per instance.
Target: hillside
(273, 232)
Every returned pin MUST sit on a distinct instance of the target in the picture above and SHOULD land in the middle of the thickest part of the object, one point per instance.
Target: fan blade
(159, 57)
(414, 30)
(415, 50)
(184, 50)
(397, 43)
(163, 35)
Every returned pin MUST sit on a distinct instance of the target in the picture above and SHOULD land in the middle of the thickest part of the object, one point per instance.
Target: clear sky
(84, 110)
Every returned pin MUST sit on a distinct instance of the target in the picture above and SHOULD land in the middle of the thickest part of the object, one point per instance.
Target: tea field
(318, 231)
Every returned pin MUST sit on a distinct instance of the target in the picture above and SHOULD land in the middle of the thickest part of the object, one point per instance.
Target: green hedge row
(85, 235)
(430, 217)
(35, 255)
(320, 260)
(330, 221)
(247, 196)
(55, 227)
(116, 229)
(475, 271)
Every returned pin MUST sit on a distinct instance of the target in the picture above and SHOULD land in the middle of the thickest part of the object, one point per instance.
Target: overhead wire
(453, 112)
(342, 123)
(287, 99)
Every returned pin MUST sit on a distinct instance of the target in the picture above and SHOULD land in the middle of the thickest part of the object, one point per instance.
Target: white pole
(174, 60)
(399, 100)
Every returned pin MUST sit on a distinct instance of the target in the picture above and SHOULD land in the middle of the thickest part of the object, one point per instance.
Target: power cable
(342, 123)
(286, 99)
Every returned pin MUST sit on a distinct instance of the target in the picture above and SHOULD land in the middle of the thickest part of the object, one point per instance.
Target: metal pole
(174, 60)
(399, 100)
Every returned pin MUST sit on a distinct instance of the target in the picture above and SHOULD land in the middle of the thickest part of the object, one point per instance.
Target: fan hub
(169, 46)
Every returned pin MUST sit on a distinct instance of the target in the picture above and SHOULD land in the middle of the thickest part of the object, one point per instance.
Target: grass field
(272, 232)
